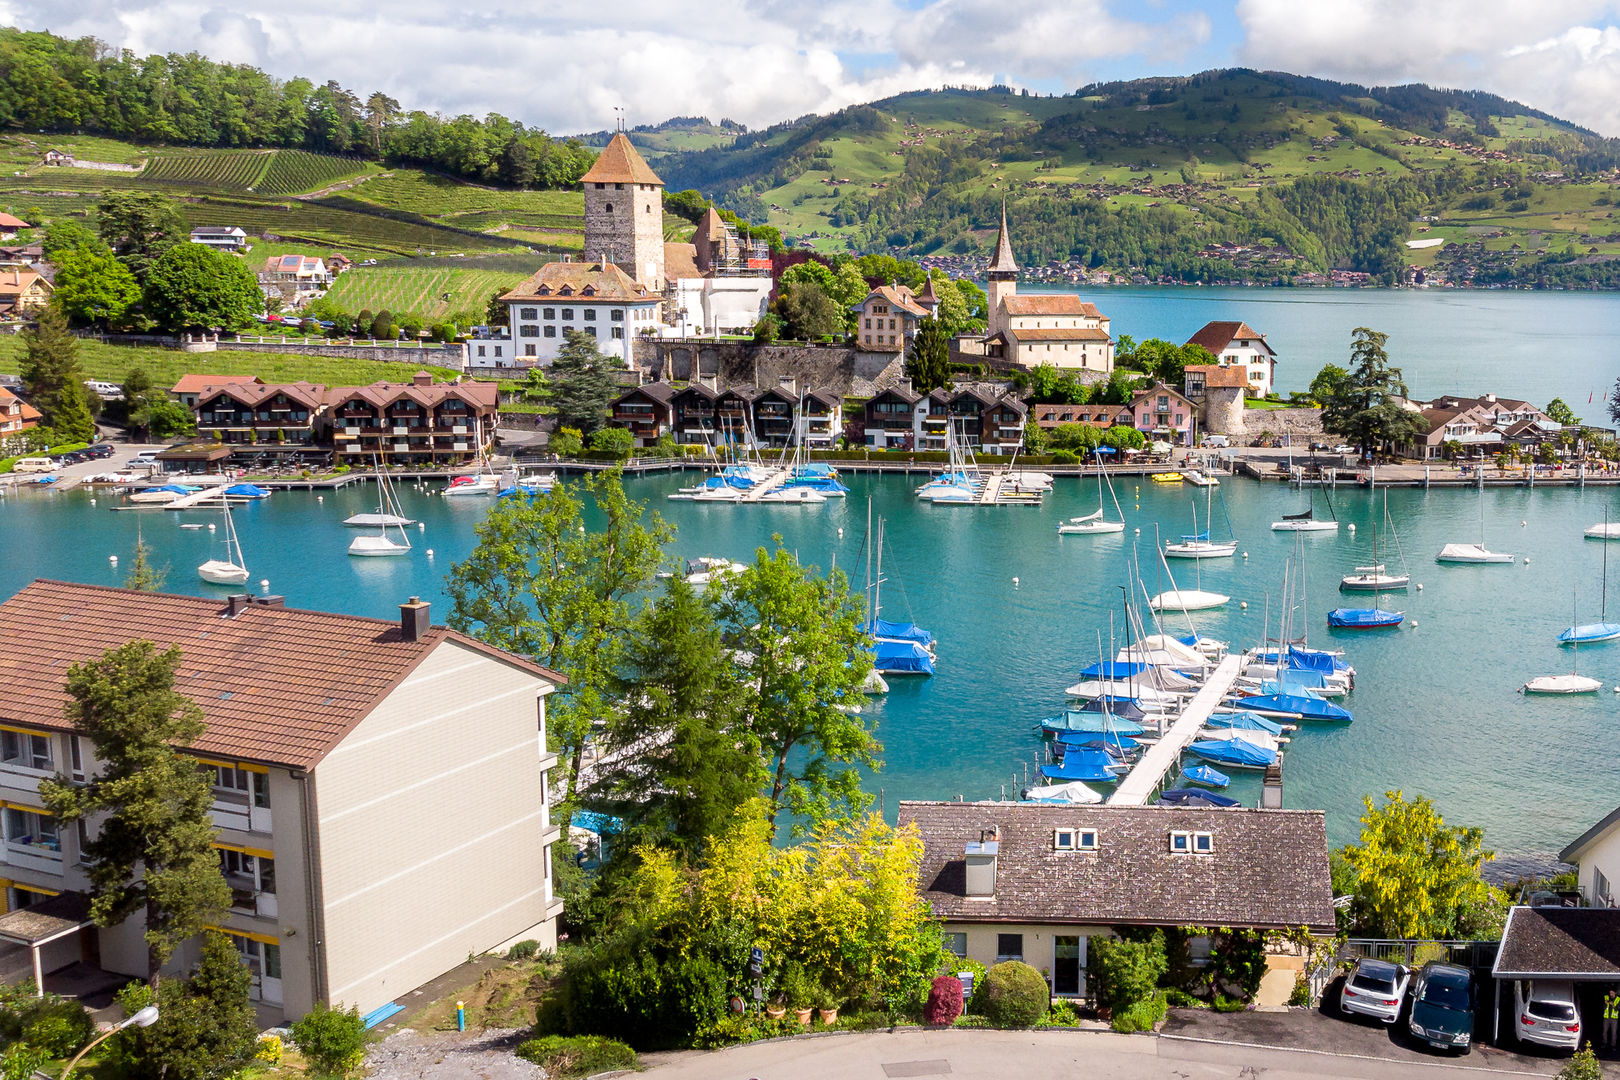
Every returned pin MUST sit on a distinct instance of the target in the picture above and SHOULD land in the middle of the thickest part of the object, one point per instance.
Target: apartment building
(380, 790)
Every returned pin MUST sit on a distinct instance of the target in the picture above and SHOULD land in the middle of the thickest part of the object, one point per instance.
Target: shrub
(1065, 457)
(1238, 960)
(1141, 1015)
(20, 1061)
(613, 440)
(975, 1001)
(1224, 1004)
(1583, 1066)
(566, 441)
(1300, 996)
(651, 993)
(1062, 1014)
(944, 1001)
(1015, 995)
(57, 1026)
(332, 1040)
(523, 950)
(580, 1055)
(1180, 999)
(1126, 972)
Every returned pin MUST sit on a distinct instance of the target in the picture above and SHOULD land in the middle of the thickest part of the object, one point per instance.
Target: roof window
(1191, 843)
(1074, 840)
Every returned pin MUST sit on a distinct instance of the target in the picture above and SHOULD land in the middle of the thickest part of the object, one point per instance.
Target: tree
(153, 853)
(495, 313)
(1416, 877)
(680, 714)
(566, 442)
(143, 575)
(52, 380)
(193, 288)
(928, 360)
(538, 584)
(807, 312)
(63, 235)
(140, 229)
(799, 645)
(206, 1029)
(1560, 413)
(1329, 384)
(1366, 405)
(613, 440)
(382, 325)
(582, 386)
(333, 1039)
(93, 287)
(1614, 403)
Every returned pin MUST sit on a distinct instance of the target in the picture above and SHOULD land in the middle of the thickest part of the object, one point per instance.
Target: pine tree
(153, 853)
(143, 575)
(681, 716)
(928, 362)
(582, 386)
(53, 382)
(206, 1028)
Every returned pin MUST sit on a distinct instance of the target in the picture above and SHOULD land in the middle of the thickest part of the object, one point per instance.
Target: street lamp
(145, 1018)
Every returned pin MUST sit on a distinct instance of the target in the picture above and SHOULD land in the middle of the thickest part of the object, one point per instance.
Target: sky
(566, 67)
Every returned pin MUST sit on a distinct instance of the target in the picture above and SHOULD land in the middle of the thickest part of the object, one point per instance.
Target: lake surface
(1437, 706)
(1513, 343)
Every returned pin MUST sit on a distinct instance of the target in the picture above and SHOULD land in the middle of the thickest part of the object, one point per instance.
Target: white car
(1544, 1011)
(1344, 448)
(1375, 988)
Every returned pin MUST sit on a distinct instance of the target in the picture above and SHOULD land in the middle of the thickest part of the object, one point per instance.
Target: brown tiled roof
(252, 393)
(1216, 336)
(680, 262)
(485, 395)
(899, 296)
(619, 163)
(1049, 304)
(1218, 375)
(910, 397)
(9, 222)
(1269, 868)
(193, 382)
(1552, 942)
(660, 392)
(701, 390)
(1059, 333)
(580, 282)
(276, 685)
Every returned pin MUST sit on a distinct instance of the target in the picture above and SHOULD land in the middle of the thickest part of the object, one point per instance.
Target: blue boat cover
(816, 483)
(1196, 536)
(178, 489)
(1113, 669)
(1090, 765)
(1097, 740)
(1244, 721)
(1206, 774)
(1598, 631)
(1233, 752)
(247, 491)
(1309, 708)
(600, 824)
(1193, 797)
(817, 468)
(1078, 720)
(898, 631)
(1363, 618)
(901, 658)
(1315, 660)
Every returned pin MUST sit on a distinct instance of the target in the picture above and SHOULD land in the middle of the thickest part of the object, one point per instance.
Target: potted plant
(797, 992)
(826, 1004)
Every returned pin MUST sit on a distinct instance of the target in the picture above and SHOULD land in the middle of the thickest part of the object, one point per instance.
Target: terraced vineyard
(430, 292)
(265, 172)
(337, 226)
(299, 170)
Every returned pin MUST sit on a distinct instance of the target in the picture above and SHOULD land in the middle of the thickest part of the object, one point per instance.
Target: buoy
(430, 553)
(92, 502)
(1015, 583)
(1352, 527)
(210, 526)
(113, 559)
(582, 528)
(1244, 604)
(320, 498)
(1412, 625)
(1527, 560)
(421, 526)
(840, 534)
(264, 583)
(1245, 554)
(1138, 531)
(1522, 524)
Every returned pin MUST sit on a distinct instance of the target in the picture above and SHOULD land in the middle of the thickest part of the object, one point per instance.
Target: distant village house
(220, 237)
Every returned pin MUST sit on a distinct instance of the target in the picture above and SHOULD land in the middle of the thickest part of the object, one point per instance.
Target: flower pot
(829, 1017)
(775, 1012)
(803, 1016)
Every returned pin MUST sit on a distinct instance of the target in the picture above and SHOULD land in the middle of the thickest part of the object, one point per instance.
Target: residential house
(58, 157)
(888, 418)
(492, 350)
(1002, 425)
(417, 423)
(23, 292)
(822, 414)
(931, 419)
(644, 411)
(1238, 345)
(692, 415)
(1050, 417)
(1033, 882)
(220, 237)
(887, 319)
(977, 417)
(597, 298)
(1161, 412)
(278, 420)
(1482, 425)
(380, 790)
(775, 414)
(1596, 856)
(294, 278)
(11, 226)
(16, 415)
(190, 385)
(734, 415)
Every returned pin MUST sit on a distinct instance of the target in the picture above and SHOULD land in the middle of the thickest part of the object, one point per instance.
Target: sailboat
(1376, 577)
(232, 569)
(1603, 629)
(897, 648)
(1375, 617)
(482, 482)
(1307, 521)
(1094, 523)
(1573, 683)
(1184, 600)
(1473, 553)
(380, 545)
(1198, 545)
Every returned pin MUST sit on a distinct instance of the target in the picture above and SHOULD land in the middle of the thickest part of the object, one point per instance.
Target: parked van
(1217, 442)
(33, 464)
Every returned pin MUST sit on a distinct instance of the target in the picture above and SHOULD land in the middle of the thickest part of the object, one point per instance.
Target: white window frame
(1180, 842)
(1203, 843)
(1085, 840)
(1063, 839)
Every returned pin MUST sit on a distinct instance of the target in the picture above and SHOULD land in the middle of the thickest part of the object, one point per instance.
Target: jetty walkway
(1143, 779)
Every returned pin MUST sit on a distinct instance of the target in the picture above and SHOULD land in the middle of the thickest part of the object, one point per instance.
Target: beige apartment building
(380, 790)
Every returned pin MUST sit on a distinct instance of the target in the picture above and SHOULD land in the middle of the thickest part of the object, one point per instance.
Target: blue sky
(565, 66)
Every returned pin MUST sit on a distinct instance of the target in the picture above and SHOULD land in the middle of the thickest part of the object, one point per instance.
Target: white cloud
(1562, 56)
(565, 66)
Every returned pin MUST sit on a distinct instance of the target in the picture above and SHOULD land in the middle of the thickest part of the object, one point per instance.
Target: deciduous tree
(1560, 413)
(807, 312)
(140, 228)
(93, 287)
(153, 853)
(193, 288)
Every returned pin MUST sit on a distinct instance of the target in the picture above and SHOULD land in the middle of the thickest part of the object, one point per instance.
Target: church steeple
(1003, 263)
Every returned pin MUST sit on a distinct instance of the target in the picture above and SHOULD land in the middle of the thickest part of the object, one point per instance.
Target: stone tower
(624, 213)
(1001, 278)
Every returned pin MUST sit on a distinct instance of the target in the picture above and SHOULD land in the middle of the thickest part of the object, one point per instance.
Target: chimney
(413, 619)
(236, 604)
(981, 866)
(1271, 788)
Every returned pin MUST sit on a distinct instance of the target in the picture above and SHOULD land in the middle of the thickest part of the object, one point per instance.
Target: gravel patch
(454, 1055)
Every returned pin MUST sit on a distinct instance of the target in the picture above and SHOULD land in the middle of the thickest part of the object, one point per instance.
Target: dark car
(1443, 1006)
(100, 450)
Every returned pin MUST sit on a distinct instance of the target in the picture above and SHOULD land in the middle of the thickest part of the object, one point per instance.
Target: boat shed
(1571, 944)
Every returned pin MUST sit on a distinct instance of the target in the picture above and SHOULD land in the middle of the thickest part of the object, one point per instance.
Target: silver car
(1375, 988)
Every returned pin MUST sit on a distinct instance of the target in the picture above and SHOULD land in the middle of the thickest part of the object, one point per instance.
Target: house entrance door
(1068, 956)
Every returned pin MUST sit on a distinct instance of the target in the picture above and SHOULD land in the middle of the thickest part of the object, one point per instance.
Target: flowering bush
(268, 1049)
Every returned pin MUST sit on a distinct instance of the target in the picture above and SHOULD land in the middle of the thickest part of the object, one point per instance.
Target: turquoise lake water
(1437, 705)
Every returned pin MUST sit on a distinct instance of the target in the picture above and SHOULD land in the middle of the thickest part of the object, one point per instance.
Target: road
(1043, 1055)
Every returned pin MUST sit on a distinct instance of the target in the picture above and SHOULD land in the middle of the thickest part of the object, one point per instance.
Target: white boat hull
(1604, 532)
(1471, 553)
(476, 487)
(218, 572)
(1375, 582)
(376, 547)
(1304, 526)
(1562, 684)
(1201, 549)
(374, 521)
(1091, 528)
(1187, 600)
(793, 496)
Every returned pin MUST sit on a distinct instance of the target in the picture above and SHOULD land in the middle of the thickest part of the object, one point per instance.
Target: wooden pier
(1145, 776)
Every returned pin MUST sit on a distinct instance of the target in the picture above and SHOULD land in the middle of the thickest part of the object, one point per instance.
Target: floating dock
(1144, 778)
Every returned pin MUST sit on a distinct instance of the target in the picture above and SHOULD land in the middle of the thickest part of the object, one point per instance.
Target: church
(630, 281)
(1040, 328)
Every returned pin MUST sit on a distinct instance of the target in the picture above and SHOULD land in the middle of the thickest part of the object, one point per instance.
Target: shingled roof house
(1032, 882)
(379, 790)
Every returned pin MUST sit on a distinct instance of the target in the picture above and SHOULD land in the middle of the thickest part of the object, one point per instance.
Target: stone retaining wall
(1283, 421)
(450, 356)
(732, 363)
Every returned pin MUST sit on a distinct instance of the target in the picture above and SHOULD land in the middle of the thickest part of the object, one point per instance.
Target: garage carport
(40, 924)
(1578, 945)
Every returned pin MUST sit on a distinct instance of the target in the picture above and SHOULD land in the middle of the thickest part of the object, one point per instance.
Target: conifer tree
(53, 382)
(928, 362)
(143, 575)
(582, 387)
(153, 853)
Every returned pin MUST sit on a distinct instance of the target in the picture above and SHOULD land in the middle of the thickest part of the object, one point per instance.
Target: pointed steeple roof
(619, 163)
(1003, 261)
(928, 297)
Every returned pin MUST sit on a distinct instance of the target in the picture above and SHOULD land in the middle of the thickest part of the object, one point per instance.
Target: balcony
(399, 429)
(232, 810)
(459, 429)
(35, 853)
(249, 898)
(400, 448)
(462, 446)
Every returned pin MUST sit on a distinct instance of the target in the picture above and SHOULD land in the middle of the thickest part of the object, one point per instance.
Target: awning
(1578, 944)
(44, 922)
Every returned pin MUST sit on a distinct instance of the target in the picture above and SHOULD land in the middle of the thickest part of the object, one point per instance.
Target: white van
(33, 464)
(1217, 442)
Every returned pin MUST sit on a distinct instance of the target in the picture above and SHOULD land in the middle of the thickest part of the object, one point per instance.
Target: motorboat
(1186, 600)
(717, 492)
(707, 569)
(1072, 793)
(161, 495)
(232, 568)
(1606, 531)
(483, 483)
(1195, 797)
(1198, 545)
(1205, 776)
(1199, 479)
(1244, 721)
(1374, 578)
(1082, 720)
(799, 496)
(1234, 753)
(1166, 477)
(1471, 553)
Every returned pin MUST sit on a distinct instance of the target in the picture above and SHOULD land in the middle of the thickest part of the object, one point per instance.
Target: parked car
(1344, 448)
(1545, 1012)
(1318, 447)
(100, 450)
(73, 457)
(1443, 1006)
(1375, 988)
(1217, 442)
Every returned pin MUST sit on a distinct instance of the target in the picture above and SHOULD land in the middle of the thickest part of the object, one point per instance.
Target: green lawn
(112, 363)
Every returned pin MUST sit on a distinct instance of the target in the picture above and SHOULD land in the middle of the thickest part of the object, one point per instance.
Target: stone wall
(450, 356)
(1224, 411)
(626, 224)
(1283, 421)
(734, 363)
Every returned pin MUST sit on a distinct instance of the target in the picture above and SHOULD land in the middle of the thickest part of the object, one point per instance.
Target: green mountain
(1225, 175)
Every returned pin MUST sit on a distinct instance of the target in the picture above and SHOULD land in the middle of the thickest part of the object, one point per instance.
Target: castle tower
(1001, 277)
(624, 213)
